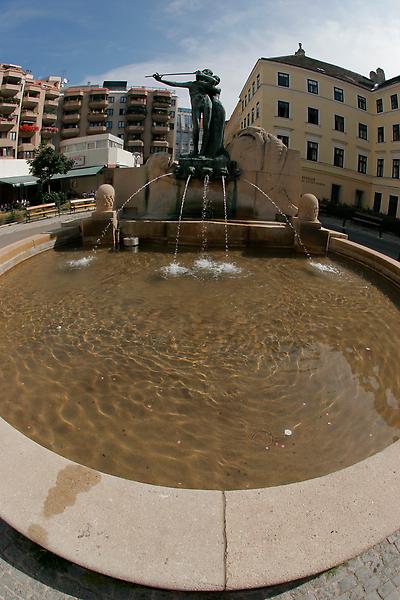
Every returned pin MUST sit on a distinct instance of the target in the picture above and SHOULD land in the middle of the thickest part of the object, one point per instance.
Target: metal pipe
(166, 74)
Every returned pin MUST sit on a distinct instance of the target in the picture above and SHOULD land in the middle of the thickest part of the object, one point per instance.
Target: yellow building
(346, 126)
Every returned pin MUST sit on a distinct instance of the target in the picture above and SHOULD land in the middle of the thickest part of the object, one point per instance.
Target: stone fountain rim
(197, 539)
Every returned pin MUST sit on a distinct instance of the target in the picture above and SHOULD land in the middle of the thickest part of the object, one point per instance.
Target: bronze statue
(206, 106)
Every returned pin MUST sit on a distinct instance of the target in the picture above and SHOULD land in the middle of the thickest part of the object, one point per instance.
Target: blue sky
(87, 40)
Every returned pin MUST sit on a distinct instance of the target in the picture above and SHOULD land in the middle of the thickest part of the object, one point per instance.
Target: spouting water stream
(225, 217)
(296, 235)
(103, 233)
(178, 231)
(204, 215)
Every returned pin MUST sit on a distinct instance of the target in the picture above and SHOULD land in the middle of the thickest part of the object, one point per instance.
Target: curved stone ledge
(196, 539)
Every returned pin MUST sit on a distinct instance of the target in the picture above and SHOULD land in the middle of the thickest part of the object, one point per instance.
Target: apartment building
(28, 111)
(346, 126)
(144, 118)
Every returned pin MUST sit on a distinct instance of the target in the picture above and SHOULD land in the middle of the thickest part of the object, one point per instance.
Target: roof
(31, 180)
(312, 64)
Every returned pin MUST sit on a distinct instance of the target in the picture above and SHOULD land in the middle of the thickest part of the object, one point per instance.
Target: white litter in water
(325, 268)
(288, 432)
(174, 269)
(80, 262)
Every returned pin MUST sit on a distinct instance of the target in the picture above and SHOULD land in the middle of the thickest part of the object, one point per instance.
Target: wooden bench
(368, 221)
(41, 211)
(82, 204)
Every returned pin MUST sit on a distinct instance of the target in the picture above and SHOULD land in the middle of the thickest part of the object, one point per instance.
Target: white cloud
(359, 37)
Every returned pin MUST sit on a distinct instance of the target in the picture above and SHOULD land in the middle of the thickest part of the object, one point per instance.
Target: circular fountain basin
(208, 538)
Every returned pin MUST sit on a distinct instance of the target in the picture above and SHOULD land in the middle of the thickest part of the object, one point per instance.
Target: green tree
(46, 163)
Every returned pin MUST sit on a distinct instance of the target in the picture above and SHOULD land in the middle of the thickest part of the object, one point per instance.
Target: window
(283, 79)
(122, 100)
(258, 81)
(248, 120)
(377, 202)
(283, 109)
(396, 132)
(109, 124)
(312, 151)
(394, 101)
(339, 123)
(253, 88)
(252, 115)
(111, 99)
(110, 112)
(362, 102)
(245, 100)
(379, 105)
(338, 157)
(335, 193)
(362, 164)
(338, 94)
(392, 208)
(313, 115)
(381, 134)
(13, 135)
(257, 110)
(284, 139)
(122, 111)
(312, 86)
(359, 198)
(379, 167)
(396, 168)
(121, 136)
(362, 131)
(121, 124)
(242, 105)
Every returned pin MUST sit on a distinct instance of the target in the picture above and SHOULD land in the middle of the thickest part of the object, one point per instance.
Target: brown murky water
(192, 381)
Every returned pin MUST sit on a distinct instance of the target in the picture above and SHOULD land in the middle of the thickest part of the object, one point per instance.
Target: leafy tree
(46, 163)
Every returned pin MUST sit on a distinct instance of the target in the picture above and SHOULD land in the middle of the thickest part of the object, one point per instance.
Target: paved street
(28, 572)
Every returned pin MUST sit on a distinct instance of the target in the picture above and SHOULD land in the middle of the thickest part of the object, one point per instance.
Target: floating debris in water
(79, 263)
(174, 269)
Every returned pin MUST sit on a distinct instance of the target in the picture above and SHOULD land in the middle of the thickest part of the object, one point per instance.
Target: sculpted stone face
(105, 197)
(308, 208)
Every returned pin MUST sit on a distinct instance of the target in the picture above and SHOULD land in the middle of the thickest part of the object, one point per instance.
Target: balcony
(9, 89)
(8, 105)
(27, 130)
(48, 118)
(50, 104)
(29, 115)
(160, 129)
(160, 115)
(94, 129)
(7, 123)
(29, 101)
(52, 93)
(26, 147)
(162, 100)
(134, 128)
(69, 132)
(98, 100)
(160, 143)
(137, 93)
(72, 103)
(48, 132)
(5, 143)
(133, 101)
(136, 143)
(97, 115)
(72, 118)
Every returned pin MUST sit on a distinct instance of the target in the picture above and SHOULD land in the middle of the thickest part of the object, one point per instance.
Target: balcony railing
(97, 115)
(73, 118)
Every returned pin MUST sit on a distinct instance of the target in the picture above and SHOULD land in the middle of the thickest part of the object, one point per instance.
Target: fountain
(218, 410)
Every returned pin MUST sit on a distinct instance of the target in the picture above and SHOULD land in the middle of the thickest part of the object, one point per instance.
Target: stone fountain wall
(261, 158)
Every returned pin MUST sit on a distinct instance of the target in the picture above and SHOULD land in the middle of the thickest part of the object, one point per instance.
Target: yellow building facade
(345, 126)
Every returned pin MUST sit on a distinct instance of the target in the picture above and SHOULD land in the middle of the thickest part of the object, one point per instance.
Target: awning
(31, 180)
(18, 181)
(79, 172)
